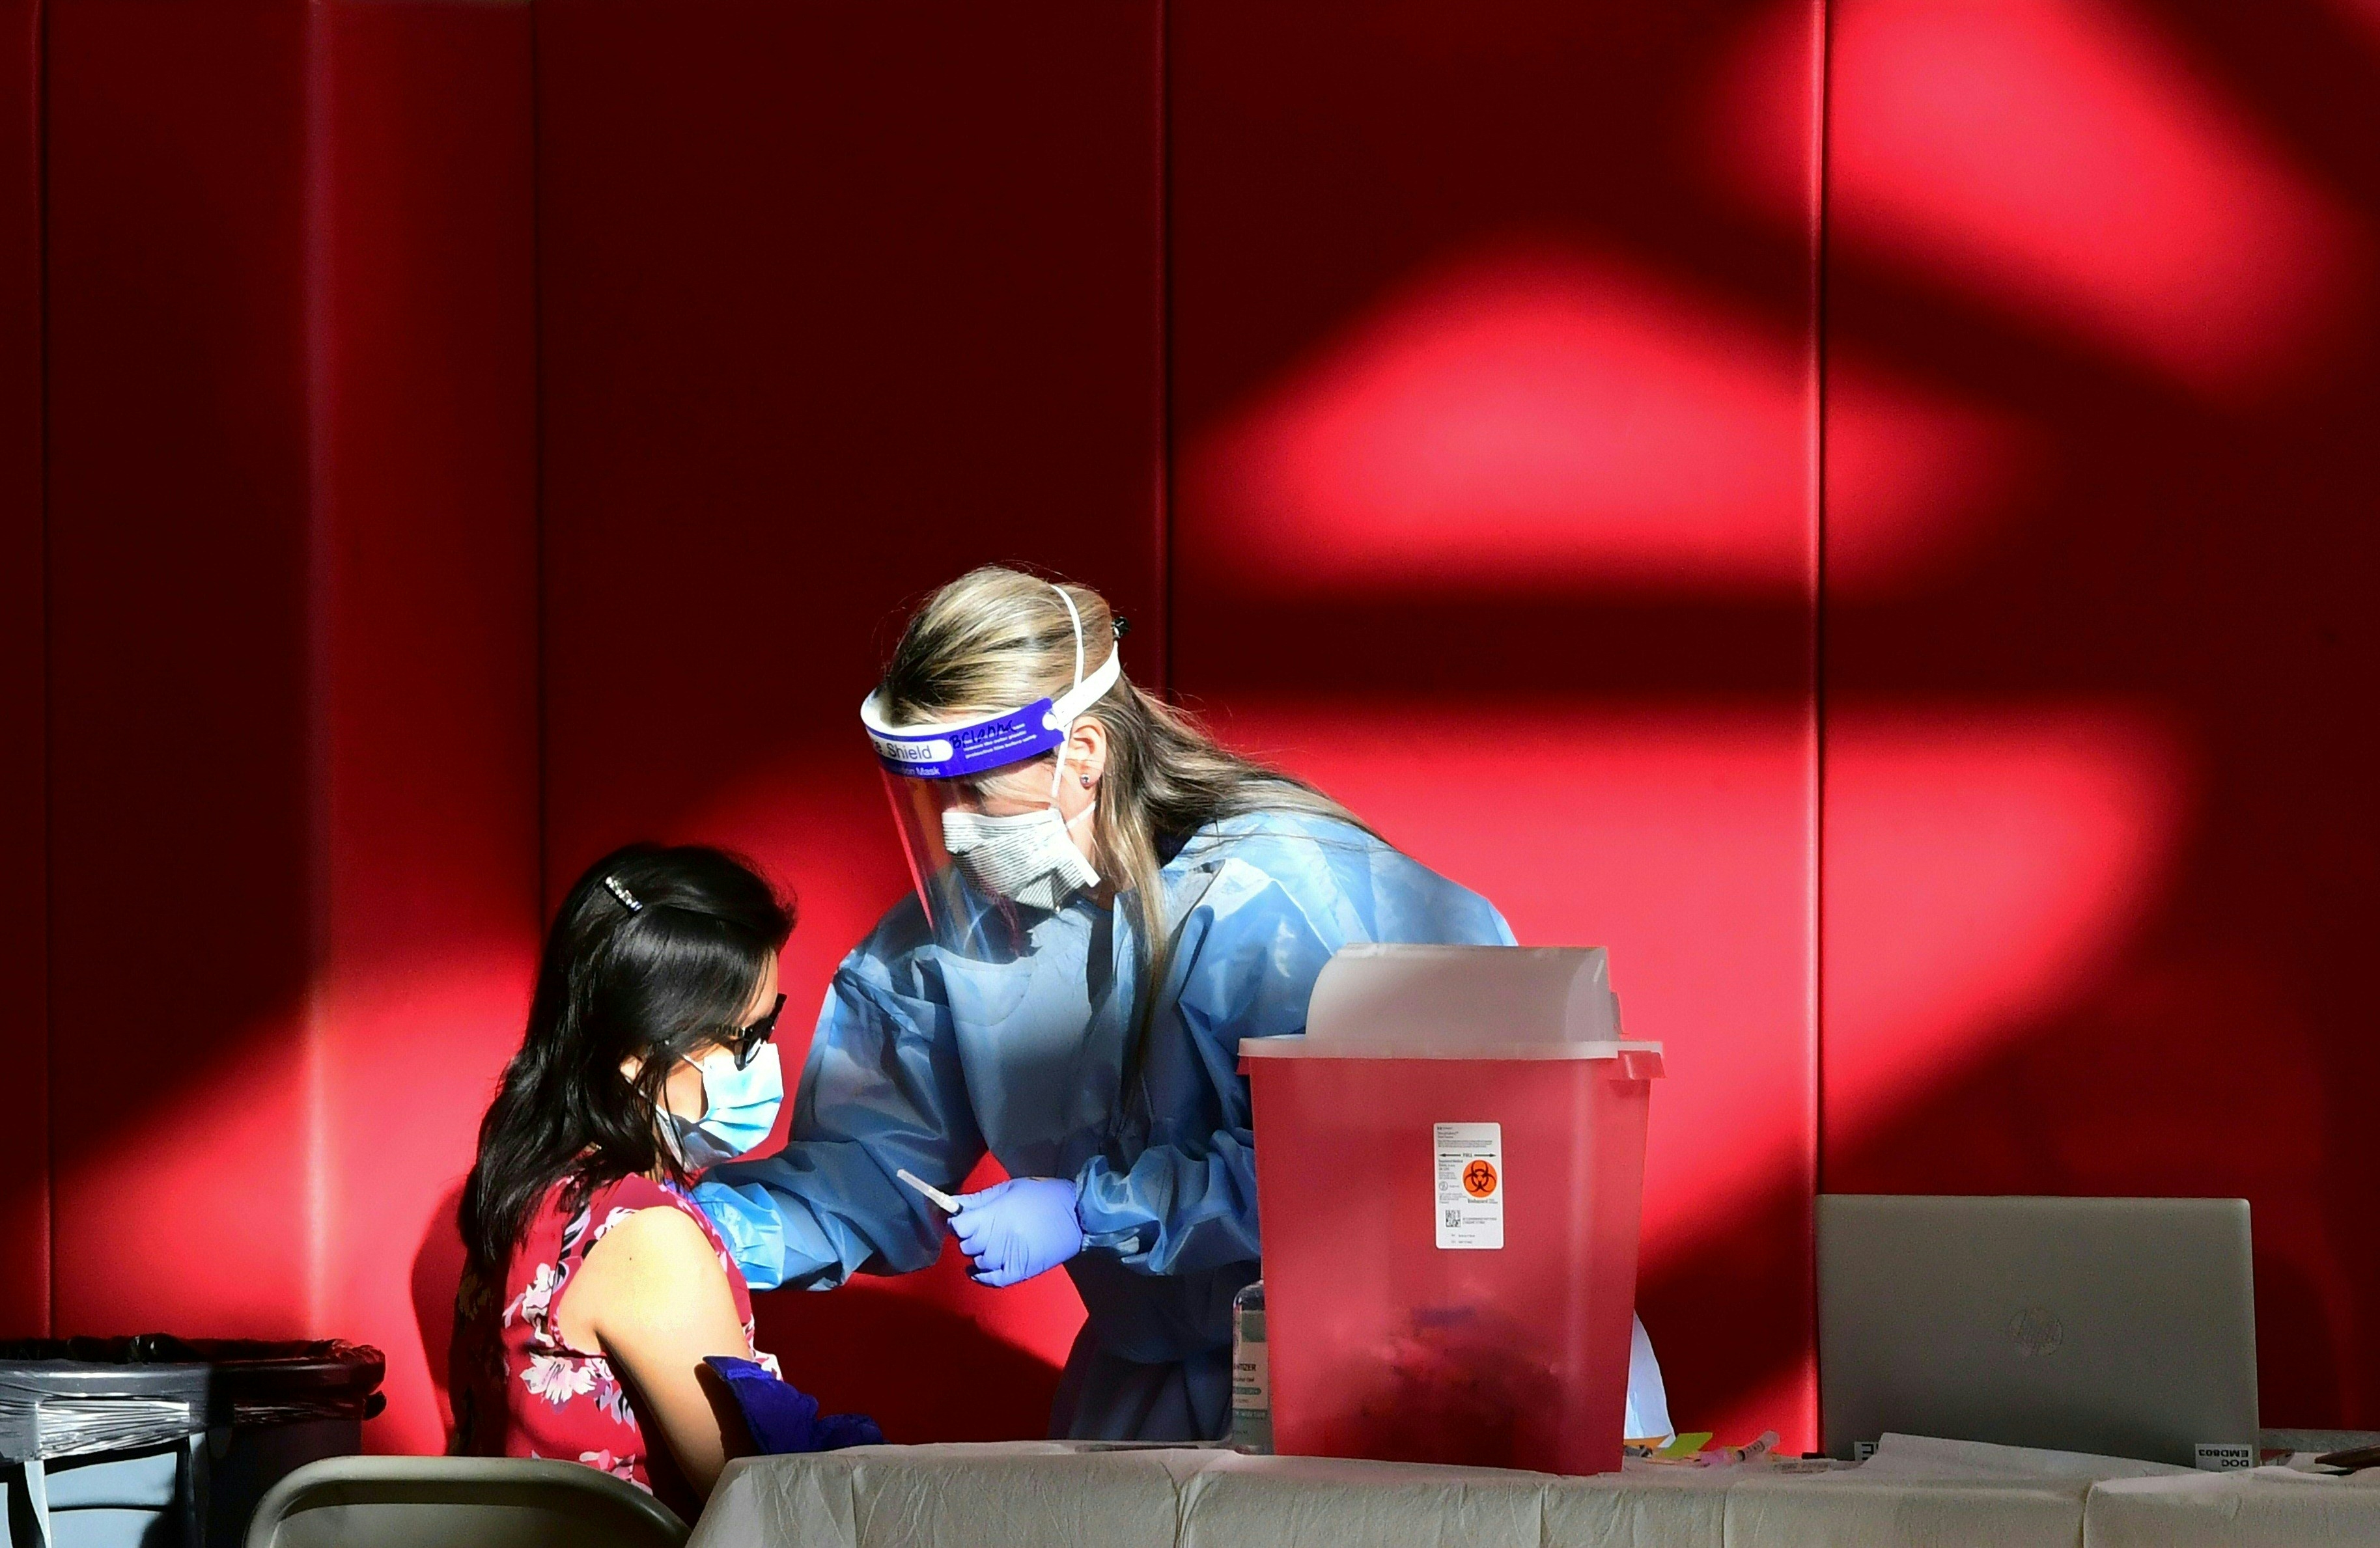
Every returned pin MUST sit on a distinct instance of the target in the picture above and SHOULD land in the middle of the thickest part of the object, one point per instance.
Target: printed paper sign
(1469, 1184)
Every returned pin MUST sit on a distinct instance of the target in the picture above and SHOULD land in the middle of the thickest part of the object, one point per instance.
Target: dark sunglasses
(747, 1040)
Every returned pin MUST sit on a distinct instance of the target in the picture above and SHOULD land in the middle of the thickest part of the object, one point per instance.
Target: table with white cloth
(1912, 1491)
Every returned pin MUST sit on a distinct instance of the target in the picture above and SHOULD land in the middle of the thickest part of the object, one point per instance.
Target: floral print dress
(519, 1388)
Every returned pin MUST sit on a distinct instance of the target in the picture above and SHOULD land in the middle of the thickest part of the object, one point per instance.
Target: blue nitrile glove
(783, 1418)
(748, 1221)
(1018, 1228)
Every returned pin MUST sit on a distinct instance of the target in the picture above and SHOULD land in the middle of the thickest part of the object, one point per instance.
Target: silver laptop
(2124, 1327)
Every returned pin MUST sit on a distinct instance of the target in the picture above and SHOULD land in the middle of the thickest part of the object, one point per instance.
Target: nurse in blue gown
(1107, 904)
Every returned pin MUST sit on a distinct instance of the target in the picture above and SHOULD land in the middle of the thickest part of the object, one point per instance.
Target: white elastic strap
(1078, 630)
(1083, 695)
(1069, 706)
(1066, 718)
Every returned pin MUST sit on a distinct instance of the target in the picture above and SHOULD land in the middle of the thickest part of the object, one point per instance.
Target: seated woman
(594, 1288)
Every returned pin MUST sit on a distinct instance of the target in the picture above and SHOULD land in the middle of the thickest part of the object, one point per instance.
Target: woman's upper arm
(658, 1303)
(883, 1090)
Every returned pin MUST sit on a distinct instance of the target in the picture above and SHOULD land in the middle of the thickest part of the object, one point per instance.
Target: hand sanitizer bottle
(1251, 1374)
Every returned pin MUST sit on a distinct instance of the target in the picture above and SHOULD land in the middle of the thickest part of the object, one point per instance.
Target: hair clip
(623, 894)
(1123, 626)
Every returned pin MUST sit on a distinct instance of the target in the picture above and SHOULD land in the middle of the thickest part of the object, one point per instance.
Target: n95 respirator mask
(1030, 857)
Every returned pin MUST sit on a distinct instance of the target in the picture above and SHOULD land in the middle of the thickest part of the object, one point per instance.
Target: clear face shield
(976, 803)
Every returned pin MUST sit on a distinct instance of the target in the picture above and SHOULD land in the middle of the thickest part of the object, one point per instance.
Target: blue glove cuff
(748, 1219)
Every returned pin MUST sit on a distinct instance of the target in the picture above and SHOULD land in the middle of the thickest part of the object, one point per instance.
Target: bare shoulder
(656, 1242)
(654, 1264)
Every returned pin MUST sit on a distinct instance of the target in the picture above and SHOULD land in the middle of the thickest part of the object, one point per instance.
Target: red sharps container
(1450, 1173)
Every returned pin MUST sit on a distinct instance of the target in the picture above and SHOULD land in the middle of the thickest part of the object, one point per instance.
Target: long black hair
(655, 952)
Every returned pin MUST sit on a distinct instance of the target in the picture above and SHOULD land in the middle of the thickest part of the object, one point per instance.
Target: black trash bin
(157, 1441)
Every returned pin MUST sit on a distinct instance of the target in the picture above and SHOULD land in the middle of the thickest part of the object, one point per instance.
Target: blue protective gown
(924, 1058)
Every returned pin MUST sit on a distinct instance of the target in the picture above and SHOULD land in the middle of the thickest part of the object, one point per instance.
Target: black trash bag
(160, 1439)
(73, 1396)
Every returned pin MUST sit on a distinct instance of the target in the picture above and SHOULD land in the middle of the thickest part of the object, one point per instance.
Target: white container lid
(1639, 1062)
(1464, 1002)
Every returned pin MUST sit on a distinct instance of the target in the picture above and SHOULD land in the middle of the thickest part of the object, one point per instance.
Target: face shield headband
(982, 836)
(957, 749)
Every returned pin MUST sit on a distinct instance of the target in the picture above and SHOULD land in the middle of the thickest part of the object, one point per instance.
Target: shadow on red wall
(916, 1354)
(2167, 272)
(2099, 863)
(2094, 549)
(834, 305)
(437, 1273)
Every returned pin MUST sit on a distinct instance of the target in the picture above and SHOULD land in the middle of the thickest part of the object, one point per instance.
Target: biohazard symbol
(1479, 1179)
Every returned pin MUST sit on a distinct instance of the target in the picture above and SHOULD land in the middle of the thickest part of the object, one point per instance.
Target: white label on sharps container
(1469, 1184)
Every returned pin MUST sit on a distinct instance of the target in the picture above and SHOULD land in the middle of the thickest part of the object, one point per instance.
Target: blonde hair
(996, 638)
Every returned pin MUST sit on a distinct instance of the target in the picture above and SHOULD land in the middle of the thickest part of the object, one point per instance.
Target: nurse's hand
(1018, 1228)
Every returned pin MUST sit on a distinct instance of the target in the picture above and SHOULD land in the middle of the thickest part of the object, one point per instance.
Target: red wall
(178, 518)
(1501, 505)
(834, 304)
(2102, 857)
(1395, 265)
(24, 913)
(467, 451)
(426, 576)
(1495, 436)
(292, 590)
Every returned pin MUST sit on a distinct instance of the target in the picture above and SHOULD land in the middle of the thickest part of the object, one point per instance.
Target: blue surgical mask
(740, 1107)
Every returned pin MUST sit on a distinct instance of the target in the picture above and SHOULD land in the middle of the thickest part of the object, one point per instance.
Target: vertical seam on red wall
(320, 387)
(1165, 491)
(48, 1273)
(1824, 86)
(536, 457)
(1818, 235)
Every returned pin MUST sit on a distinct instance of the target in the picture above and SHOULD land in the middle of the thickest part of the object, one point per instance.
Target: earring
(1087, 781)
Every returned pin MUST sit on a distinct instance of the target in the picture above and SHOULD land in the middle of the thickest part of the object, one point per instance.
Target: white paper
(1469, 1184)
